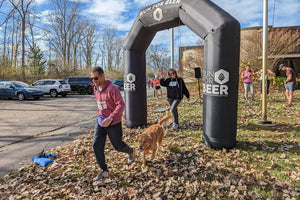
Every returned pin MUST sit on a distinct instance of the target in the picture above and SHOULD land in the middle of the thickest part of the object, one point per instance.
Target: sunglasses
(170, 74)
(94, 78)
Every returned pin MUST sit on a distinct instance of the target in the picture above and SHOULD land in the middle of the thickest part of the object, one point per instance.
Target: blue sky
(122, 13)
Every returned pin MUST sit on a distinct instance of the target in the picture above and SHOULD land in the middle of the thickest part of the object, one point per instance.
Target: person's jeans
(268, 85)
(173, 104)
(247, 87)
(114, 133)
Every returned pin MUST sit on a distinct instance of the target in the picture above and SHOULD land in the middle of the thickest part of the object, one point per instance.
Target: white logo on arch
(130, 78)
(129, 84)
(157, 14)
(214, 83)
(221, 76)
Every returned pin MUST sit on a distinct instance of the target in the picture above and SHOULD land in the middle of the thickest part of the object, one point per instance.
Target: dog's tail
(165, 118)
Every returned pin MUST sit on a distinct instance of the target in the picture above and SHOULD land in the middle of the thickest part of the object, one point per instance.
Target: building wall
(251, 46)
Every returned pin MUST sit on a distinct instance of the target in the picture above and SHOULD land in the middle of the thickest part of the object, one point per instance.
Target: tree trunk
(23, 48)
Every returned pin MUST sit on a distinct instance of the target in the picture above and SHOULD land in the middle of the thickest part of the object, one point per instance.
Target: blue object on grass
(47, 155)
(43, 160)
(100, 119)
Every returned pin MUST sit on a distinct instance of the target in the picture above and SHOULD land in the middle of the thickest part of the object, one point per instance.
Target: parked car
(18, 89)
(81, 85)
(119, 83)
(54, 87)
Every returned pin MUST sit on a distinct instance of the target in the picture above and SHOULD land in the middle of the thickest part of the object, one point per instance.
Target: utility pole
(264, 67)
(265, 60)
(172, 48)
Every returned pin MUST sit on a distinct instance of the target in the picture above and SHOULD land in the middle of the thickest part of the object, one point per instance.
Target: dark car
(81, 85)
(119, 83)
(19, 90)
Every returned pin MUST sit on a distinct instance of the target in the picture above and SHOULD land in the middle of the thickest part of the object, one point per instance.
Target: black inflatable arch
(221, 33)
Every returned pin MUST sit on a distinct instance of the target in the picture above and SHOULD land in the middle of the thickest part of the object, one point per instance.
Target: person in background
(156, 83)
(289, 83)
(149, 83)
(269, 72)
(247, 76)
(110, 110)
(175, 90)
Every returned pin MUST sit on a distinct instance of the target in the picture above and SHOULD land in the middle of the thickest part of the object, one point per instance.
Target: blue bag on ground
(43, 160)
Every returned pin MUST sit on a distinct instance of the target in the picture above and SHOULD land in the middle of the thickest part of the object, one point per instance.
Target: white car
(54, 87)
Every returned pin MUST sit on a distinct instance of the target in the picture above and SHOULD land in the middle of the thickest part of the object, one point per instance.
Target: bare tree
(110, 49)
(158, 57)
(88, 43)
(65, 28)
(1, 3)
(15, 41)
(23, 9)
(8, 16)
(118, 53)
(4, 42)
(282, 41)
(107, 46)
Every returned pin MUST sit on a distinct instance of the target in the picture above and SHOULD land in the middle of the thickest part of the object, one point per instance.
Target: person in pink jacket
(110, 110)
(247, 76)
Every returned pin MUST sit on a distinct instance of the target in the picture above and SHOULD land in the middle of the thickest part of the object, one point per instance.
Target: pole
(264, 68)
(265, 60)
(172, 48)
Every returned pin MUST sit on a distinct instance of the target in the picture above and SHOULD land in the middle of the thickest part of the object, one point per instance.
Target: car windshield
(62, 82)
(21, 84)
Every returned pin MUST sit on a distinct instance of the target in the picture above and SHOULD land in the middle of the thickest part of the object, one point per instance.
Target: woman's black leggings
(173, 104)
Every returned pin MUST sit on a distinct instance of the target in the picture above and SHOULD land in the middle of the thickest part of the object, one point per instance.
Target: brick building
(283, 46)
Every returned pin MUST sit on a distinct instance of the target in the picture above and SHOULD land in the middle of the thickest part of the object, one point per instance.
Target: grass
(264, 164)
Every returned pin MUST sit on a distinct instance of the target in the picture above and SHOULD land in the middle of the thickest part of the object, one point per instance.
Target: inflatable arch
(221, 33)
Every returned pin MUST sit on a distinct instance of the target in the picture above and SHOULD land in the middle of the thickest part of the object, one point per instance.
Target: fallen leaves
(264, 165)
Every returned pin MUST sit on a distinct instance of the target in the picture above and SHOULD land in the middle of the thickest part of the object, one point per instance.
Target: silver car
(54, 87)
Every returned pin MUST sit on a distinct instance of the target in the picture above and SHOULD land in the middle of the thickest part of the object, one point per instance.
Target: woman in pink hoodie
(110, 110)
(247, 77)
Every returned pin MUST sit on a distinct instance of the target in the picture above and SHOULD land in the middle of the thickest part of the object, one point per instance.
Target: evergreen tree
(36, 62)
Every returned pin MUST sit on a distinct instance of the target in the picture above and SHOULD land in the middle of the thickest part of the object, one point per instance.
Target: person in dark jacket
(175, 90)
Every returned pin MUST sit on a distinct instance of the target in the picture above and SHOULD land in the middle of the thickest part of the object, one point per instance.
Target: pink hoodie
(110, 102)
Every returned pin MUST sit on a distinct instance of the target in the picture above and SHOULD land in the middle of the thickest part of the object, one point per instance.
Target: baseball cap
(281, 66)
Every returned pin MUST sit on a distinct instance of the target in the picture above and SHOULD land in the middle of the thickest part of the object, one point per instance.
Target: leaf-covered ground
(264, 165)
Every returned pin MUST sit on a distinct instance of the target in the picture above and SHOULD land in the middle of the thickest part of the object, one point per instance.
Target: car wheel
(53, 93)
(21, 96)
(82, 91)
(64, 94)
(36, 97)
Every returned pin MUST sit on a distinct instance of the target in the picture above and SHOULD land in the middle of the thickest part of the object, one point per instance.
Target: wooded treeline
(60, 42)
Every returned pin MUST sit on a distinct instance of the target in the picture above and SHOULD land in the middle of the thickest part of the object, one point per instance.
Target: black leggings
(173, 104)
(114, 133)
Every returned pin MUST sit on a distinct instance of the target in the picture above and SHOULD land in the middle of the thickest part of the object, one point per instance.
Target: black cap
(281, 66)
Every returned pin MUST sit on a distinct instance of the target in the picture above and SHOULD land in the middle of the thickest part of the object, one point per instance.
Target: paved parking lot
(27, 127)
(22, 119)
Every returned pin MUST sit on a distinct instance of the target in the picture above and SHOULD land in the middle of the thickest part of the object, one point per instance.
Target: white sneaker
(101, 174)
(132, 156)
(174, 126)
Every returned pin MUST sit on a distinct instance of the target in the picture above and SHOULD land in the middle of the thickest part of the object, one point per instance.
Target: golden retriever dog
(151, 138)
